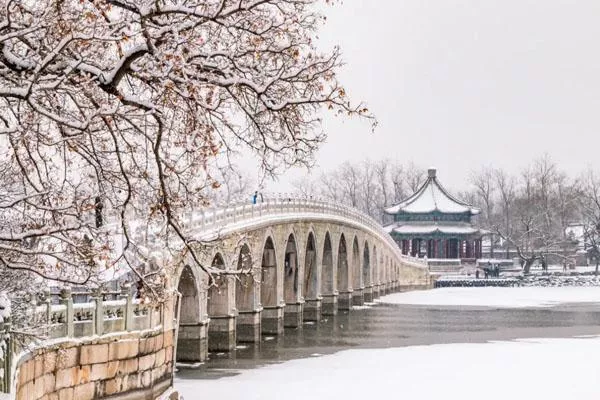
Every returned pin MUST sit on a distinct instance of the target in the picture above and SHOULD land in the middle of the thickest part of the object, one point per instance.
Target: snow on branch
(114, 112)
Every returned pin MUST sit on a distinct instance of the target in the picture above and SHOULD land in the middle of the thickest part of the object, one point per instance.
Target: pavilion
(432, 223)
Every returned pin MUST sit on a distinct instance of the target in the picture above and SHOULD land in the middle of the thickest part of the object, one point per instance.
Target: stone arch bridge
(284, 261)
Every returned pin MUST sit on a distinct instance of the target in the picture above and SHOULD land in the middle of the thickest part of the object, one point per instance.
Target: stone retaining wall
(133, 366)
(411, 275)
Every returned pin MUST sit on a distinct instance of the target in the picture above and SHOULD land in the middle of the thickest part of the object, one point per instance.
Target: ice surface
(504, 297)
(548, 369)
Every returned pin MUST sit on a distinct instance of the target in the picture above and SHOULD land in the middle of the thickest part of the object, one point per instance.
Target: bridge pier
(248, 326)
(368, 294)
(221, 333)
(312, 310)
(345, 300)
(293, 315)
(375, 291)
(358, 297)
(192, 342)
(329, 305)
(382, 289)
(272, 320)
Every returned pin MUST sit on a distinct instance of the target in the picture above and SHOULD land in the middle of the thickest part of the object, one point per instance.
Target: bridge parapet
(96, 317)
(218, 220)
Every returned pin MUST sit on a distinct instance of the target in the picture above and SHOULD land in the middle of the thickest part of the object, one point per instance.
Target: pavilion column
(458, 250)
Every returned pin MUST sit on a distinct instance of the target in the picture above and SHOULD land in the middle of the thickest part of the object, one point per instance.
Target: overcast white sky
(457, 84)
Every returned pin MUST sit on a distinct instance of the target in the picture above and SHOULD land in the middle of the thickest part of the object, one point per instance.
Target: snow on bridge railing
(69, 319)
(281, 204)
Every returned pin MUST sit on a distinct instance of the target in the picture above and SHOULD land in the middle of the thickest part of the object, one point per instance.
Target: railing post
(98, 314)
(128, 317)
(66, 299)
(48, 310)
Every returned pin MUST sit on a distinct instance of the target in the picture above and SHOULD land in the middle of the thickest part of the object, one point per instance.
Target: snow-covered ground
(509, 297)
(546, 369)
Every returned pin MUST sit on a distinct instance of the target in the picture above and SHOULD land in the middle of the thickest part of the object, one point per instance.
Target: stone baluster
(48, 301)
(66, 299)
(98, 312)
(128, 317)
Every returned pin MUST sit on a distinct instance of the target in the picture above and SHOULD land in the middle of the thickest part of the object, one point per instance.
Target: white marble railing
(243, 213)
(97, 317)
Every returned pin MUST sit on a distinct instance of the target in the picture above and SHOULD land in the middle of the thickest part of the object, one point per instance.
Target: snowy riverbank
(505, 297)
(546, 369)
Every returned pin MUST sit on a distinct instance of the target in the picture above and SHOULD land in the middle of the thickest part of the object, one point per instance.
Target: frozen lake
(472, 344)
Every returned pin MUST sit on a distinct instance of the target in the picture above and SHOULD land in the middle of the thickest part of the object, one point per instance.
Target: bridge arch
(327, 271)
(218, 292)
(344, 275)
(311, 269)
(374, 272)
(268, 286)
(366, 266)
(246, 281)
(342, 267)
(190, 346)
(356, 265)
(291, 283)
(221, 304)
(357, 274)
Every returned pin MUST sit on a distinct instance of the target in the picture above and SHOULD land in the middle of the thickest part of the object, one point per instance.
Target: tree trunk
(527, 266)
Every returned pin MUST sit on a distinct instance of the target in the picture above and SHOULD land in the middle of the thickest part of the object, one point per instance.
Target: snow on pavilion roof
(432, 197)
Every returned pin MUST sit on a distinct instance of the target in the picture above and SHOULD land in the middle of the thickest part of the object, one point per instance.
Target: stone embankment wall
(135, 365)
(414, 278)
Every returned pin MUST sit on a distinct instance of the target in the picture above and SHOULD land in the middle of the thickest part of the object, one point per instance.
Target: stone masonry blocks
(97, 368)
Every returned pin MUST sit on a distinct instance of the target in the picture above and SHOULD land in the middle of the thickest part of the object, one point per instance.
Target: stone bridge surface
(284, 261)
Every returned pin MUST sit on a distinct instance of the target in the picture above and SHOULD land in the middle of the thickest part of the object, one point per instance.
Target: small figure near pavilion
(432, 223)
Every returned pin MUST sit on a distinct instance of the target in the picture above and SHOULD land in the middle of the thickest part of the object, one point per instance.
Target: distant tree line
(369, 186)
(527, 211)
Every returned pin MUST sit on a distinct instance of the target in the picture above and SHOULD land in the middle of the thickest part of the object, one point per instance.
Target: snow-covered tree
(369, 186)
(117, 110)
(590, 207)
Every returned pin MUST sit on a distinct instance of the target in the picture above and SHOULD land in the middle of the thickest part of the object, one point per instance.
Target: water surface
(391, 325)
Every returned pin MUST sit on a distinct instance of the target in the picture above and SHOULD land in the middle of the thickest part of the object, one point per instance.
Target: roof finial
(431, 172)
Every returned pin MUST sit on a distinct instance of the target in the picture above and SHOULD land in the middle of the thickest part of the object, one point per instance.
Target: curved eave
(471, 211)
(432, 230)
